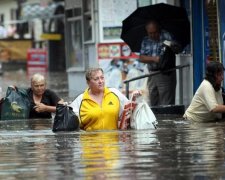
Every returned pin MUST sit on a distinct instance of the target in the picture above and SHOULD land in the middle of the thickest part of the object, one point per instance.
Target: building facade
(208, 28)
(41, 22)
(93, 29)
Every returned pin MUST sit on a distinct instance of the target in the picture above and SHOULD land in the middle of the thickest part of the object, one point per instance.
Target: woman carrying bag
(100, 107)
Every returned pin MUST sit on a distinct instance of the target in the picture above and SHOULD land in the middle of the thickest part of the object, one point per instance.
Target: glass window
(87, 28)
(88, 25)
(186, 4)
(87, 5)
(211, 31)
(144, 3)
(75, 47)
(111, 16)
(2, 18)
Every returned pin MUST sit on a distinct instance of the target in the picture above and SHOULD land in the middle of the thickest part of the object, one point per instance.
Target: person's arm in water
(219, 109)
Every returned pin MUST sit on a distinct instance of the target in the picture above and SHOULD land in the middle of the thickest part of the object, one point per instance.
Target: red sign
(37, 58)
(36, 61)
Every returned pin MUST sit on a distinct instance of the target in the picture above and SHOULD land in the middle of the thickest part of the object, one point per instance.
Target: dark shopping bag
(167, 60)
(15, 105)
(65, 119)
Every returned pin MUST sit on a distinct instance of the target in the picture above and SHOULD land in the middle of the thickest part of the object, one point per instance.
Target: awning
(32, 11)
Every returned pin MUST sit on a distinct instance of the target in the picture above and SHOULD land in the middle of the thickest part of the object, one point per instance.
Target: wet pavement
(177, 150)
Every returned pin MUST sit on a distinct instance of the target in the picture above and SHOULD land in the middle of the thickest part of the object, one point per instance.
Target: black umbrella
(171, 18)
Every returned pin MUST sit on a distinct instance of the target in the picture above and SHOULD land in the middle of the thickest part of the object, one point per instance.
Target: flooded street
(177, 150)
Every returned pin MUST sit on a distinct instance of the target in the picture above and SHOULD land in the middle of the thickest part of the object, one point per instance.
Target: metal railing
(180, 68)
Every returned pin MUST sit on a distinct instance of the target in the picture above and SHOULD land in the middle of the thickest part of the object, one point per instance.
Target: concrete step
(169, 109)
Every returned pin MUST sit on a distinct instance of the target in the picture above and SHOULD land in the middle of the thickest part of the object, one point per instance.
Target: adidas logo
(110, 103)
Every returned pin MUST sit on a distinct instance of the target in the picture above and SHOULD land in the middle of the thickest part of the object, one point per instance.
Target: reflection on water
(177, 150)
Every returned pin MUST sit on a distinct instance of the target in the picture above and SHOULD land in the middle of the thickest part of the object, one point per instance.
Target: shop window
(144, 3)
(75, 47)
(186, 4)
(2, 18)
(87, 5)
(73, 12)
(88, 20)
(213, 41)
(111, 16)
(73, 8)
(74, 35)
(14, 14)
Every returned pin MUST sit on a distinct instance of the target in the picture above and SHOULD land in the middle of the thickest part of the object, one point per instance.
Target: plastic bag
(15, 105)
(143, 117)
(65, 119)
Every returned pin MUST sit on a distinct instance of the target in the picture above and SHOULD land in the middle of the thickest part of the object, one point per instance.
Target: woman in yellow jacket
(99, 107)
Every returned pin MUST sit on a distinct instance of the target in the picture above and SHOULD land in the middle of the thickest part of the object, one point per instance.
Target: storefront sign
(51, 37)
(115, 50)
(36, 61)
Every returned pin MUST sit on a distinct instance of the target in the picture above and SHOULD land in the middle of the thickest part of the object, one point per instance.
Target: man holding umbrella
(162, 86)
(145, 31)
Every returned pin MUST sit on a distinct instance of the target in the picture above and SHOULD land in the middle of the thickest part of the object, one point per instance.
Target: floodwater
(177, 150)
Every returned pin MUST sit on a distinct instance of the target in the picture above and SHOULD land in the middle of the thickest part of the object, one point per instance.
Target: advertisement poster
(119, 64)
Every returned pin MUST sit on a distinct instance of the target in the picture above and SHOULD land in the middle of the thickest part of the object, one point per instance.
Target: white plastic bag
(143, 117)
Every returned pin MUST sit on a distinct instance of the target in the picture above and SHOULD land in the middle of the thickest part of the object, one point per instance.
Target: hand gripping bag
(125, 121)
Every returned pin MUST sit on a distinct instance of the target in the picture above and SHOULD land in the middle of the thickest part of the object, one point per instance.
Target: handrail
(149, 75)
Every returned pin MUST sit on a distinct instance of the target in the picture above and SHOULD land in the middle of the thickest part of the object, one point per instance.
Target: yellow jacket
(95, 117)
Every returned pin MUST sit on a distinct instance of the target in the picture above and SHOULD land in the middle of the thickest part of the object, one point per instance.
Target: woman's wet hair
(90, 72)
(212, 69)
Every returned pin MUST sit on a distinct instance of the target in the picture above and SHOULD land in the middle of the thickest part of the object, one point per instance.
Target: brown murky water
(177, 150)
